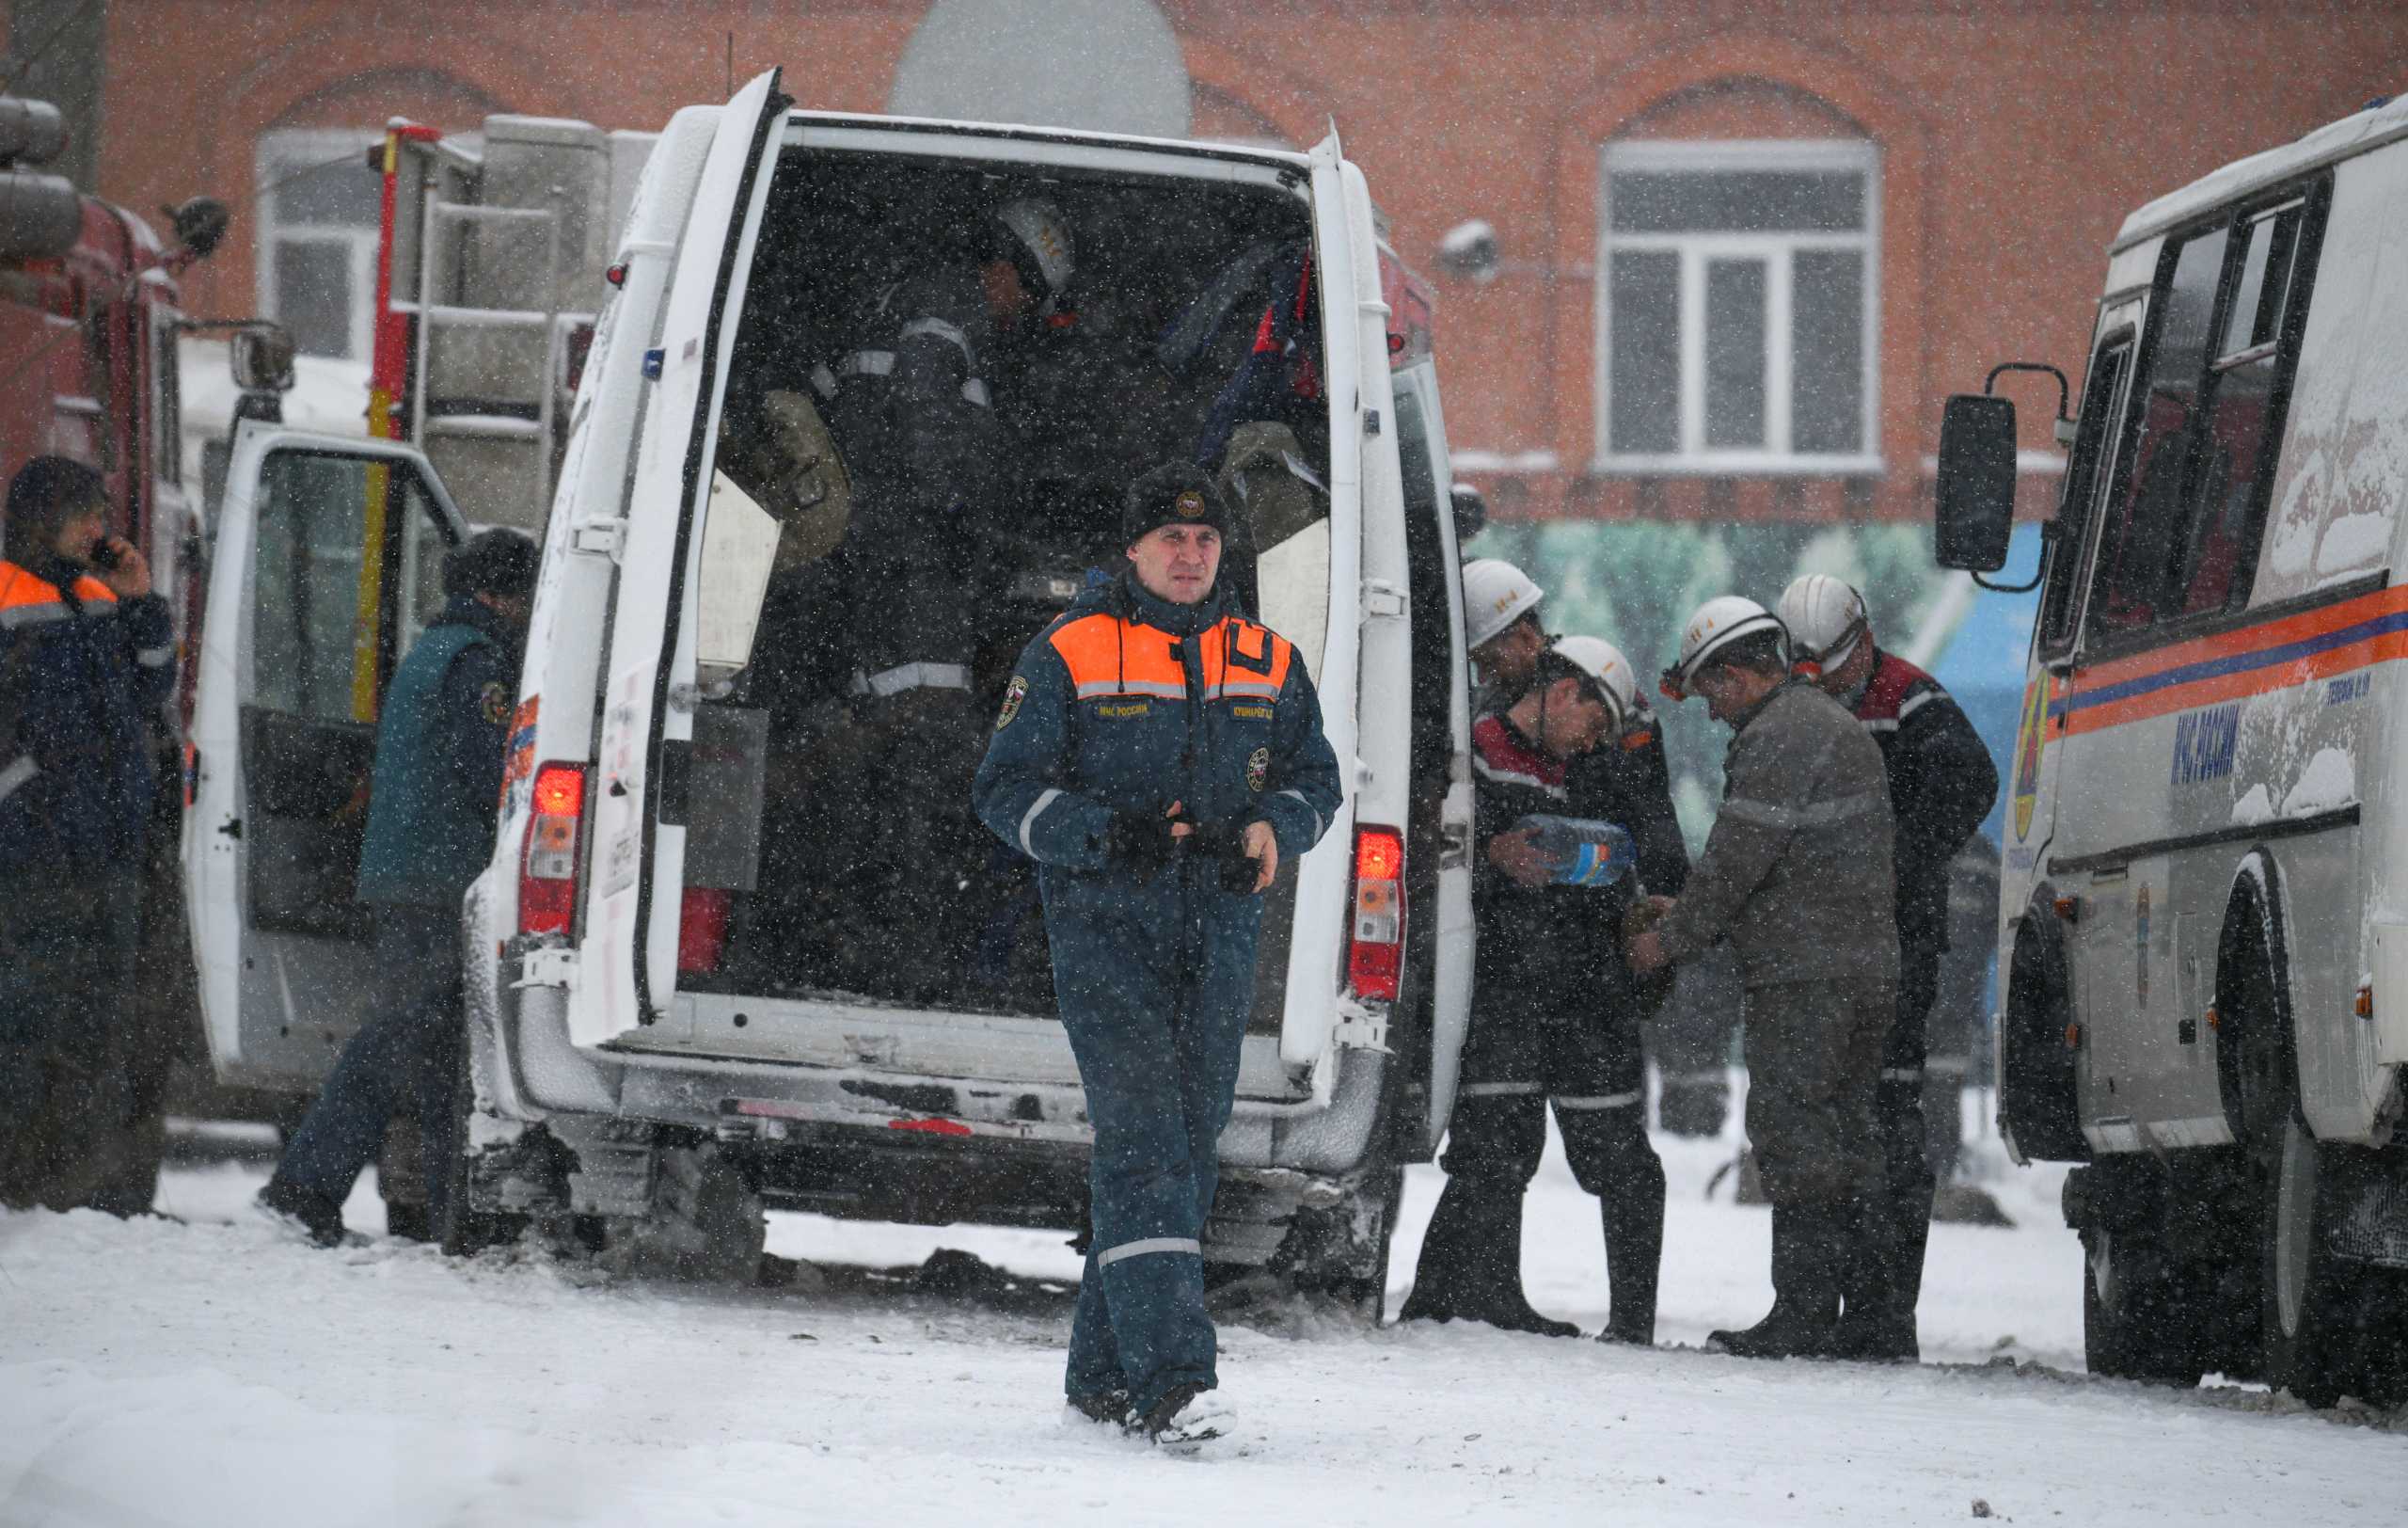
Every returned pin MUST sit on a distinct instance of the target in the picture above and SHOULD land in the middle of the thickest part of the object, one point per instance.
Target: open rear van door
(628, 964)
(328, 564)
(1441, 727)
(1362, 472)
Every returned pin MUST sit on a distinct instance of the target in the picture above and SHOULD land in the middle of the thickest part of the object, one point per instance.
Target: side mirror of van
(1471, 511)
(1975, 511)
(259, 353)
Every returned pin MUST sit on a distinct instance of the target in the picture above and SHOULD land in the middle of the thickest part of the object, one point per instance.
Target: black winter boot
(1808, 1244)
(1634, 1251)
(1470, 1268)
(1878, 1324)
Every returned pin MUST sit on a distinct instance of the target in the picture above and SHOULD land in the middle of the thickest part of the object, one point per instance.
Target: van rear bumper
(529, 1070)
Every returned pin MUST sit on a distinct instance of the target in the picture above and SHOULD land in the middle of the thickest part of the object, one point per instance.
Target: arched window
(1108, 66)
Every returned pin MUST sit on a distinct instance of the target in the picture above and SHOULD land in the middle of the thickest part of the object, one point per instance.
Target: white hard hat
(1495, 595)
(1824, 617)
(1603, 662)
(1716, 624)
(1040, 230)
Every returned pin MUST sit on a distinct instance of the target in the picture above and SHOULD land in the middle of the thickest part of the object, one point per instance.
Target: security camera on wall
(1470, 249)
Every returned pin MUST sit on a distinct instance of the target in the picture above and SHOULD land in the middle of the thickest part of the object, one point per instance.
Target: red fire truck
(89, 318)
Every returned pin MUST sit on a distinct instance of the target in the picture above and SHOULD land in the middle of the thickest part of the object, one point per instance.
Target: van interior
(827, 856)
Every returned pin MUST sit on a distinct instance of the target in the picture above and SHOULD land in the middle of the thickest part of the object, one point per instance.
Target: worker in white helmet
(1796, 876)
(1942, 785)
(1501, 630)
(1544, 1029)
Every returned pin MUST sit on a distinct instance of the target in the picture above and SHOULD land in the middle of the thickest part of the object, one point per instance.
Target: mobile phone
(104, 553)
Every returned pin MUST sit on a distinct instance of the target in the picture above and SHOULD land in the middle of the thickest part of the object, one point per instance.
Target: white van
(626, 1070)
(2204, 917)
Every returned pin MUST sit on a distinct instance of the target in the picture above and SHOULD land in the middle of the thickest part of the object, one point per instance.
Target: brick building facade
(1746, 249)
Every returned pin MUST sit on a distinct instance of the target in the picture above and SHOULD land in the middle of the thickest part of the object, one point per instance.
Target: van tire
(468, 1227)
(1341, 1252)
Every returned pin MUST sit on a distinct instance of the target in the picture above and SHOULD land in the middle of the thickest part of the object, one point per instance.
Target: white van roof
(2327, 145)
(1208, 148)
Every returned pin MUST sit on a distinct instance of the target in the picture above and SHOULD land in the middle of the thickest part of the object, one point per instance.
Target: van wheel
(470, 1225)
(1341, 1251)
(2137, 1323)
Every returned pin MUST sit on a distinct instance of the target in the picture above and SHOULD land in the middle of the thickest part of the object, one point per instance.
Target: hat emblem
(1191, 505)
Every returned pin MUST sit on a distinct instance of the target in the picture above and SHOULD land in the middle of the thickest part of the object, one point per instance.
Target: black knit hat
(1175, 493)
(42, 497)
(498, 563)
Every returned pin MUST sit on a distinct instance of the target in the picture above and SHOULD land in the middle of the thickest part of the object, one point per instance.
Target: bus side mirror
(1974, 510)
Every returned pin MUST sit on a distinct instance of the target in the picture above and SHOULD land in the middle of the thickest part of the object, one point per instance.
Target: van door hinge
(547, 965)
(1382, 601)
(1361, 1027)
(603, 537)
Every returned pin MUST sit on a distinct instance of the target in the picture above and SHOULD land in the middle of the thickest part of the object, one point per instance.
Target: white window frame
(281, 152)
(1776, 249)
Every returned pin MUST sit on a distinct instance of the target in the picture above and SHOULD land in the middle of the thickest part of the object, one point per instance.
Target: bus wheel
(2308, 1303)
(2135, 1321)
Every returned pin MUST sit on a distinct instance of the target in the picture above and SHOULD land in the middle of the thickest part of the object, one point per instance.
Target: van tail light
(547, 865)
(702, 928)
(1376, 956)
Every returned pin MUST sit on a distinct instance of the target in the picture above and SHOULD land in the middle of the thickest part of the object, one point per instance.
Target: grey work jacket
(1797, 873)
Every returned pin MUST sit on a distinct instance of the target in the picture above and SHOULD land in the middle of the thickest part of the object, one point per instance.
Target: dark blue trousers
(409, 1044)
(1155, 1010)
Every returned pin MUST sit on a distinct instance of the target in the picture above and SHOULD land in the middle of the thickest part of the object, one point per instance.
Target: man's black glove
(1226, 843)
(1140, 843)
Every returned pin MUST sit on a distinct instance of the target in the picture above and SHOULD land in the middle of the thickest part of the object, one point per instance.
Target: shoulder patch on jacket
(494, 701)
(1257, 769)
(1013, 697)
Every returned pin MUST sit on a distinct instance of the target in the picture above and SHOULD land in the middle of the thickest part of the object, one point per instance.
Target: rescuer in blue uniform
(86, 660)
(432, 804)
(1159, 754)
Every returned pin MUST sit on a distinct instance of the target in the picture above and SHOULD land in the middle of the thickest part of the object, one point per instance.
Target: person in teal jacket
(1159, 755)
(432, 804)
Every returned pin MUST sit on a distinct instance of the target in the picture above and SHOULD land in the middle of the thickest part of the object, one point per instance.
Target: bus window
(2142, 533)
(2102, 413)
(2236, 442)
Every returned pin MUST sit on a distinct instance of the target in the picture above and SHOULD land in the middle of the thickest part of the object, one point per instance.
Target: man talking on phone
(86, 655)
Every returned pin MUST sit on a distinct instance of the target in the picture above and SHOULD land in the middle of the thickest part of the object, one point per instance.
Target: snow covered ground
(207, 1371)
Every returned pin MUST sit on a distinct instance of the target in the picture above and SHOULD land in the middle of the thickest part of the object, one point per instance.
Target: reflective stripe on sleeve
(975, 391)
(1763, 814)
(1500, 1089)
(1318, 824)
(1902, 1074)
(155, 657)
(14, 616)
(19, 770)
(1882, 724)
(903, 677)
(1907, 708)
(1823, 813)
(1515, 778)
(1600, 1101)
(951, 334)
(1152, 1243)
(1028, 819)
